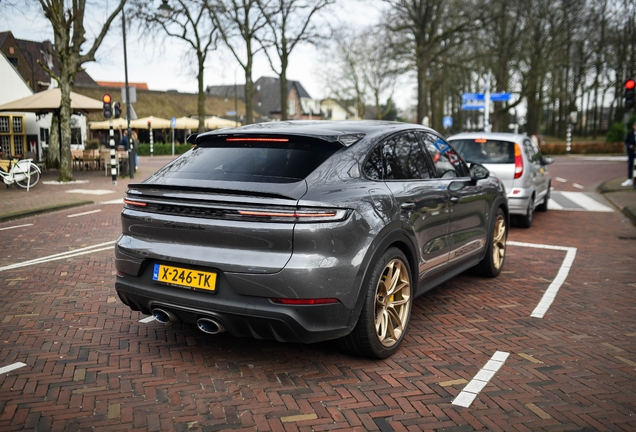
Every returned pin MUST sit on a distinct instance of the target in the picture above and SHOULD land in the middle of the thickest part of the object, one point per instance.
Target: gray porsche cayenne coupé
(308, 231)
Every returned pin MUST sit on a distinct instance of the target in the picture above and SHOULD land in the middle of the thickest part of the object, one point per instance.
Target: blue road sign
(472, 96)
(230, 113)
(473, 107)
(174, 122)
(447, 121)
(500, 97)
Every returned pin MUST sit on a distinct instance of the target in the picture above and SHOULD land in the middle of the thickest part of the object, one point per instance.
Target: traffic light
(117, 109)
(629, 93)
(107, 109)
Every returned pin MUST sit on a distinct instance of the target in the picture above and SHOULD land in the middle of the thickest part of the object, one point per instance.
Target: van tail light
(518, 162)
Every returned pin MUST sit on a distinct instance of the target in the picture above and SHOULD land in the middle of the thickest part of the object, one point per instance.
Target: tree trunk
(66, 164)
(249, 95)
(53, 154)
(201, 95)
(284, 114)
(422, 106)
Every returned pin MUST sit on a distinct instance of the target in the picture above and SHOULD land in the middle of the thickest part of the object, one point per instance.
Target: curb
(630, 212)
(33, 212)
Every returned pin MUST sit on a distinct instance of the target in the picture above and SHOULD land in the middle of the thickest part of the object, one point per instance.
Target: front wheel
(386, 310)
(493, 262)
(31, 179)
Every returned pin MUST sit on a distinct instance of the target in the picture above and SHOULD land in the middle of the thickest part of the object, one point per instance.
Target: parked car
(308, 231)
(517, 161)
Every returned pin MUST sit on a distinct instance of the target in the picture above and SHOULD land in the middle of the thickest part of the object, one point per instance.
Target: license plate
(184, 277)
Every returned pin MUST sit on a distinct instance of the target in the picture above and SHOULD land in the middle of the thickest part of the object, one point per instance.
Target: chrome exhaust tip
(164, 316)
(210, 326)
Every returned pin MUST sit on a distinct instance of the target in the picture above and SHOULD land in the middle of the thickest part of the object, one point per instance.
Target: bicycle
(23, 173)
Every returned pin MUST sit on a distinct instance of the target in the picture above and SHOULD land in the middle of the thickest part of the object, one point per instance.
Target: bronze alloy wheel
(499, 242)
(392, 297)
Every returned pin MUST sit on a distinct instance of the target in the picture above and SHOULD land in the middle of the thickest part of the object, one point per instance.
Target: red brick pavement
(91, 365)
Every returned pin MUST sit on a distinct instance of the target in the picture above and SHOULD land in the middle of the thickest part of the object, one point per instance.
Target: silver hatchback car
(517, 161)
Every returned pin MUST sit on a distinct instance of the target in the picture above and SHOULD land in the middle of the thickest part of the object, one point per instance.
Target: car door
(538, 171)
(469, 203)
(422, 201)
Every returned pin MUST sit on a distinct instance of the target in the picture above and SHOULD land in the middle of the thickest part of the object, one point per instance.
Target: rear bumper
(518, 204)
(242, 316)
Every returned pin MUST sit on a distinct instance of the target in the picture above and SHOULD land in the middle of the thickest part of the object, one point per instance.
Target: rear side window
(404, 158)
(252, 161)
(481, 150)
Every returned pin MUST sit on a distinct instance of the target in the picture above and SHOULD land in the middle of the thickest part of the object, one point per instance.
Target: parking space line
(550, 294)
(69, 254)
(85, 213)
(16, 226)
(466, 397)
(9, 368)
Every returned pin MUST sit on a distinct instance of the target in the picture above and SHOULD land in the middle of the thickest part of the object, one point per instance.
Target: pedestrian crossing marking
(576, 201)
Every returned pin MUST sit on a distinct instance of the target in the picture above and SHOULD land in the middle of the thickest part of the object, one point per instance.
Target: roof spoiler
(192, 138)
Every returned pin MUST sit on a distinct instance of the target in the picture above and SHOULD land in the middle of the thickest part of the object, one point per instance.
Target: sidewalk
(91, 186)
(622, 197)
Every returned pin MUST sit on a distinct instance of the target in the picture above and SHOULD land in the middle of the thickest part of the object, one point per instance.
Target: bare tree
(189, 21)
(239, 21)
(67, 20)
(289, 24)
(380, 69)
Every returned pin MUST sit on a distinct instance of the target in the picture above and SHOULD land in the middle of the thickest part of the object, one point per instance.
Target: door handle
(408, 206)
(455, 199)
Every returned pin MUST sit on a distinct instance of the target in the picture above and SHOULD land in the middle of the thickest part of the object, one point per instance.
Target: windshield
(481, 150)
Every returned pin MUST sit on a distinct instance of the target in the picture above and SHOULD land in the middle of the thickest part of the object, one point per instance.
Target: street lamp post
(132, 150)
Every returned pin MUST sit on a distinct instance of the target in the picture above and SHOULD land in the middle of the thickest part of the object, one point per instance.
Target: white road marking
(553, 205)
(583, 200)
(550, 294)
(147, 319)
(479, 381)
(63, 255)
(115, 201)
(9, 368)
(15, 226)
(559, 179)
(91, 191)
(85, 213)
(578, 186)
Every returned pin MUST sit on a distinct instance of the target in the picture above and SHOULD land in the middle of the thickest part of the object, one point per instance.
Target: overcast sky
(163, 67)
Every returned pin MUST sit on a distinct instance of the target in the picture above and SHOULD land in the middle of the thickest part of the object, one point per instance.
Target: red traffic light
(629, 84)
(106, 99)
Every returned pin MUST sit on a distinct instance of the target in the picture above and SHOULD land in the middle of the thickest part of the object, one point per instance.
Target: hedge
(558, 148)
(162, 149)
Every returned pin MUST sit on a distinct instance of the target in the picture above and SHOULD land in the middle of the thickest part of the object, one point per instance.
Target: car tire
(387, 308)
(525, 221)
(543, 207)
(492, 263)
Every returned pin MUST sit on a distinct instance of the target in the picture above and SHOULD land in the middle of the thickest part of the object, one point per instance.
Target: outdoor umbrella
(155, 123)
(117, 123)
(49, 101)
(187, 123)
(215, 122)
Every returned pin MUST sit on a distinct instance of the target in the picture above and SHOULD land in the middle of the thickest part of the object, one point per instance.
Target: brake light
(518, 162)
(288, 301)
(312, 215)
(259, 139)
(481, 140)
(134, 203)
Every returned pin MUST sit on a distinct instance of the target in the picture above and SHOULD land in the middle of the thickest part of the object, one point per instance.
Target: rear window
(252, 161)
(481, 150)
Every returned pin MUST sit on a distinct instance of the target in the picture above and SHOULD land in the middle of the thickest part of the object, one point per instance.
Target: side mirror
(478, 172)
(546, 160)
(192, 138)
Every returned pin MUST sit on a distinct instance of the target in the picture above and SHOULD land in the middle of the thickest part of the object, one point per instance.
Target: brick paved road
(91, 365)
